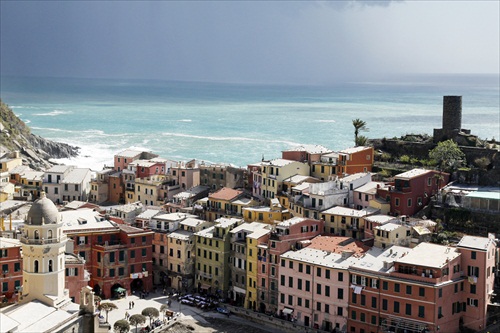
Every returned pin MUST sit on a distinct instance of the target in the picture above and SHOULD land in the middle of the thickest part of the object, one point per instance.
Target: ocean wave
(53, 113)
(94, 132)
(229, 138)
(22, 107)
(185, 120)
(27, 121)
(326, 121)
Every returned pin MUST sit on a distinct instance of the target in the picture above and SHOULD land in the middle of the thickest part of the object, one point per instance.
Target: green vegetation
(121, 326)
(359, 125)
(151, 313)
(448, 156)
(136, 320)
(14, 128)
(107, 307)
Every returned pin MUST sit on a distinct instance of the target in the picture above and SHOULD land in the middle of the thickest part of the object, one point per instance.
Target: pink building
(364, 194)
(124, 158)
(287, 235)
(314, 282)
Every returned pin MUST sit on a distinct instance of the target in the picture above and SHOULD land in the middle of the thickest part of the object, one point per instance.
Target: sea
(239, 124)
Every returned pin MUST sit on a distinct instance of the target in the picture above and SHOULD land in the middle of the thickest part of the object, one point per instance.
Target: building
(314, 282)
(118, 257)
(345, 221)
(223, 203)
(11, 276)
(412, 190)
(216, 176)
(256, 242)
(243, 262)
(273, 173)
(212, 256)
(273, 213)
(305, 153)
(124, 158)
(285, 236)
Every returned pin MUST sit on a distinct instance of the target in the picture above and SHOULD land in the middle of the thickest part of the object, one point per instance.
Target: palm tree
(106, 307)
(136, 320)
(359, 125)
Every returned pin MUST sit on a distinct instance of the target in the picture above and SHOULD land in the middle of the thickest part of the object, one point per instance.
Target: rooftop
(278, 162)
(76, 176)
(389, 226)
(292, 221)
(355, 176)
(311, 149)
(129, 153)
(59, 168)
(84, 219)
(429, 255)
(412, 173)
(353, 150)
(376, 258)
(225, 193)
(344, 211)
(474, 242)
(338, 244)
(6, 243)
(484, 195)
(148, 213)
(180, 234)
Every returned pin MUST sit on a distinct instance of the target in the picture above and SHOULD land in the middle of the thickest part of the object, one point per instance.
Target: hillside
(36, 151)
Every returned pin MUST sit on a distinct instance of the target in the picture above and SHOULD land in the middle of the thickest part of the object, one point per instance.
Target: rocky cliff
(35, 151)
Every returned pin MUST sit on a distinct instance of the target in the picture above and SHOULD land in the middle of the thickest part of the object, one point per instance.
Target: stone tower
(43, 244)
(452, 119)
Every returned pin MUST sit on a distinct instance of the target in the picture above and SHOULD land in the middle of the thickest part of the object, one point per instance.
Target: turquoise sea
(239, 123)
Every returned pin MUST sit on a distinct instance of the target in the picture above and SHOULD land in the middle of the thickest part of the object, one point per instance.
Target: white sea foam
(53, 113)
(185, 120)
(94, 156)
(326, 121)
(229, 138)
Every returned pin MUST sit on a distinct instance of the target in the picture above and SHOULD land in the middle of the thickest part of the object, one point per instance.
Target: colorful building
(412, 190)
(11, 276)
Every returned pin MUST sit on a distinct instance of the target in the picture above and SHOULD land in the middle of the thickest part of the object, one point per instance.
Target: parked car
(223, 310)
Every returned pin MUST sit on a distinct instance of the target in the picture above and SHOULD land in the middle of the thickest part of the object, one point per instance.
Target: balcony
(111, 244)
(41, 241)
(205, 275)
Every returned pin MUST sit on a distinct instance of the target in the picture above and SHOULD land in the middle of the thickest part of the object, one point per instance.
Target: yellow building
(9, 163)
(275, 212)
(226, 202)
(392, 234)
(147, 190)
(212, 255)
(259, 235)
(31, 182)
(274, 172)
(345, 221)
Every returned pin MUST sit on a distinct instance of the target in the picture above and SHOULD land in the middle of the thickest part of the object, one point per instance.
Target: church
(44, 303)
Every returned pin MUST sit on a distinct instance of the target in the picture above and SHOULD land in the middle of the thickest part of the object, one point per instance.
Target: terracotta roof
(225, 193)
(338, 244)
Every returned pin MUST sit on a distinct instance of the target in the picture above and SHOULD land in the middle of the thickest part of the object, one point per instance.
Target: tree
(448, 155)
(359, 125)
(121, 326)
(136, 320)
(106, 307)
(151, 313)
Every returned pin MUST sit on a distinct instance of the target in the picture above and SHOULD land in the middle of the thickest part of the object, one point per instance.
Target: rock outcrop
(35, 151)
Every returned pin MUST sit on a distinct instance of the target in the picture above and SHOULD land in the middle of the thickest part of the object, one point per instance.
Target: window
(307, 303)
(408, 309)
(396, 287)
(384, 305)
(327, 273)
(353, 315)
(290, 264)
(282, 280)
(111, 272)
(472, 288)
(421, 311)
(396, 202)
(308, 285)
(421, 291)
(385, 285)
(299, 284)
(473, 255)
(340, 293)
(408, 290)
(308, 269)
(144, 251)
(327, 291)
(318, 271)
(340, 311)
(318, 289)
(282, 262)
(440, 292)
(396, 307)
(132, 253)
(299, 301)
(290, 281)
(327, 308)
(341, 276)
(374, 302)
(318, 306)
(290, 300)
(409, 202)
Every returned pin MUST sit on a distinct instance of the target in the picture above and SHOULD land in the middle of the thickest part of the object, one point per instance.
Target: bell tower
(43, 244)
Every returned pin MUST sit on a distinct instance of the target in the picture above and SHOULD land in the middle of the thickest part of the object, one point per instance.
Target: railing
(41, 241)
(205, 275)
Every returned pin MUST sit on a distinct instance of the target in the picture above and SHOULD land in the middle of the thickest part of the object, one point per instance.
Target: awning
(287, 311)
(205, 286)
(120, 290)
(239, 290)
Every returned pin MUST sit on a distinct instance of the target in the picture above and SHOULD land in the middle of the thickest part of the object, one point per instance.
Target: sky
(292, 42)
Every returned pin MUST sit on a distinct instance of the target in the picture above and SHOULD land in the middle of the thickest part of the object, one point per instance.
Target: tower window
(36, 266)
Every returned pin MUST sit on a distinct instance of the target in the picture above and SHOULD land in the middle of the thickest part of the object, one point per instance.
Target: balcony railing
(41, 241)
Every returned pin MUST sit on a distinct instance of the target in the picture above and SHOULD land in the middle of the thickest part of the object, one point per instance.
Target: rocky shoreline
(35, 151)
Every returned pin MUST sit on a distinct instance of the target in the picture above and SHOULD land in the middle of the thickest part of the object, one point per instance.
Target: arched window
(36, 266)
(37, 234)
(50, 265)
(50, 234)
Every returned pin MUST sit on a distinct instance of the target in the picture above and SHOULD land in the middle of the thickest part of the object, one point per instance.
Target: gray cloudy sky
(248, 41)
